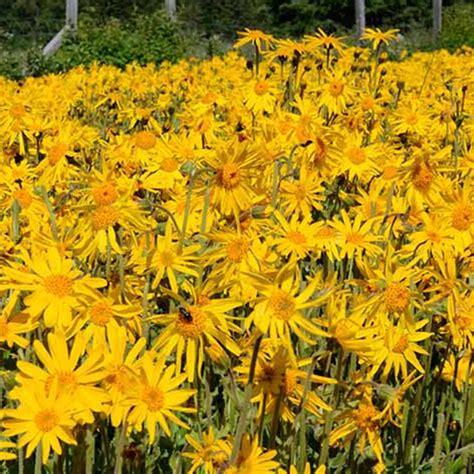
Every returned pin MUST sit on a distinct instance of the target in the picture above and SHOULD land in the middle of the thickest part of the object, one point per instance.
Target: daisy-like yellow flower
(74, 377)
(279, 309)
(357, 237)
(279, 375)
(366, 422)
(45, 417)
(212, 453)
(166, 258)
(231, 189)
(193, 329)
(156, 397)
(260, 39)
(377, 37)
(400, 348)
(120, 370)
(253, 459)
(56, 287)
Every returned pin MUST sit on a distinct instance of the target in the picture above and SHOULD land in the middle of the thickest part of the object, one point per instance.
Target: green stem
(242, 424)
(52, 217)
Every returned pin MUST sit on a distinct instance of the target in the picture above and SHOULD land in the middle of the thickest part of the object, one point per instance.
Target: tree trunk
(171, 8)
(360, 17)
(437, 12)
(71, 13)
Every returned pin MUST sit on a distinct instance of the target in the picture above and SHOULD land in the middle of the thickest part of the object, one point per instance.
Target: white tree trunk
(360, 17)
(171, 8)
(72, 8)
(437, 15)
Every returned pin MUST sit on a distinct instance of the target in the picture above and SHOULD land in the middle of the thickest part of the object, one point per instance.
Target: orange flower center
(58, 285)
(336, 87)
(153, 397)
(145, 140)
(356, 155)
(282, 305)
(166, 257)
(105, 194)
(389, 172)
(46, 420)
(104, 217)
(57, 152)
(23, 197)
(261, 87)
(401, 345)
(326, 233)
(422, 177)
(355, 238)
(296, 237)
(397, 297)
(101, 313)
(18, 110)
(462, 216)
(229, 176)
(364, 416)
(194, 326)
(119, 377)
(169, 165)
(237, 249)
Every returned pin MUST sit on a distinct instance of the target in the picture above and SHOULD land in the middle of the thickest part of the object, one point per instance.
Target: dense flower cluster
(275, 253)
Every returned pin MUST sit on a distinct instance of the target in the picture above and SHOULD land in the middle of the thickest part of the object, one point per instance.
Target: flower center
(364, 416)
(434, 236)
(169, 165)
(389, 172)
(153, 397)
(118, 377)
(462, 216)
(422, 177)
(105, 194)
(193, 326)
(401, 345)
(237, 249)
(336, 88)
(58, 285)
(145, 140)
(261, 88)
(104, 217)
(296, 237)
(18, 110)
(355, 238)
(344, 330)
(397, 297)
(57, 152)
(228, 176)
(411, 118)
(46, 420)
(23, 197)
(326, 233)
(282, 305)
(356, 155)
(101, 313)
(166, 257)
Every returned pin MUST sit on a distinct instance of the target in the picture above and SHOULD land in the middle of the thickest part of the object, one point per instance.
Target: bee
(185, 314)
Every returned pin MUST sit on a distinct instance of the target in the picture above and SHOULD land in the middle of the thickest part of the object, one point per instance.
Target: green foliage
(143, 38)
(458, 26)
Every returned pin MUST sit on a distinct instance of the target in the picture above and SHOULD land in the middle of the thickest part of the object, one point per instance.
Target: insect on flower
(185, 314)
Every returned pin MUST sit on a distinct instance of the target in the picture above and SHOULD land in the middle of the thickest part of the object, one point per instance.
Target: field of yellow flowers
(253, 264)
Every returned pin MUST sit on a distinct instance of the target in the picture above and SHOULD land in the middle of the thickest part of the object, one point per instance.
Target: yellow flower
(279, 309)
(378, 37)
(56, 287)
(156, 397)
(41, 417)
(75, 378)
